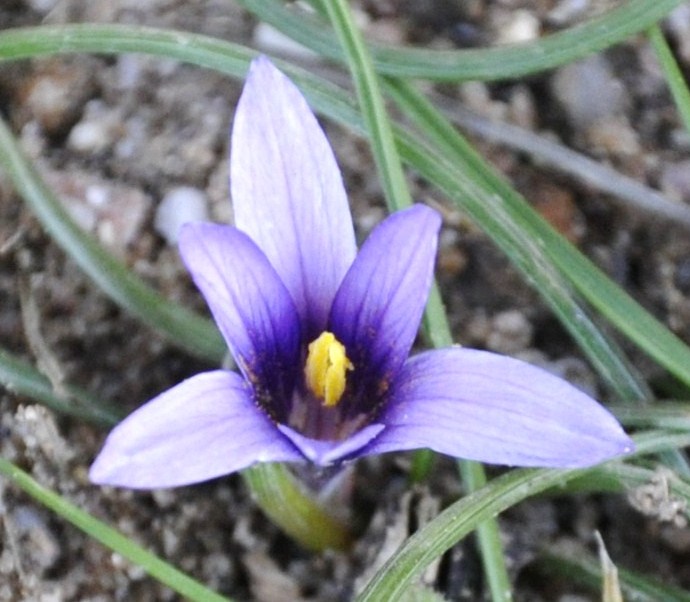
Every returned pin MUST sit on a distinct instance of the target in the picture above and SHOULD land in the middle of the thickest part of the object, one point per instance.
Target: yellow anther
(326, 368)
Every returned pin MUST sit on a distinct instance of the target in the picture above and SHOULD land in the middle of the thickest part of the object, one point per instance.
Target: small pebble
(675, 180)
(522, 26)
(613, 136)
(567, 11)
(42, 6)
(179, 206)
(95, 132)
(35, 538)
(114, 212)
(510, 332)
(573, 86)
(54, 95)
(679, 27)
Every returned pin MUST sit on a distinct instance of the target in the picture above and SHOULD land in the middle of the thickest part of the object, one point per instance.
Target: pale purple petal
(288, 194)
(483, 406)
(203, 428)
(377, 310)
(323, 453)
(251, 306)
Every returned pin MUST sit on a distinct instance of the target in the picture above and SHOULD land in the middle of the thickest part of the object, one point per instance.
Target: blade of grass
(503, 62)
(674, 76)
(154, 566)
(371, 104)
(185, 329)
(488, 538)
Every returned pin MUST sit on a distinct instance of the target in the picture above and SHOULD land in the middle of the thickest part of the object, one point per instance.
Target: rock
(675, 180)
(115, 213)
(55, 94)
(574, 87)
(179, 206)
(39, 546)
(679, 28)
(510, 333)
(568, 11)
(97, 130)
(521, 26)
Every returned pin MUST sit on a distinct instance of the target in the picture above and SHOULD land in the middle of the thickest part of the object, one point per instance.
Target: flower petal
(322, 452)
(288, 194)
(377, 310)
(483, 406)
(251, 306)
(205, 427)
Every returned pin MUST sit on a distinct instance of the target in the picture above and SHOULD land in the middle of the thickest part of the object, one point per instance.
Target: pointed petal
(377, 310)
(288, 194)
(251, 306)
(323, 453)
(205, 427)
(483, 406)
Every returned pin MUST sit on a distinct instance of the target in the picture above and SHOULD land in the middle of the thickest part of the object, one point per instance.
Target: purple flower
(322, 335)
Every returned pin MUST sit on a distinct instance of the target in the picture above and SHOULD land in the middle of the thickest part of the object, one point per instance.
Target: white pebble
(522, 27)
(42, 6)
(88, 137)
(589, 91)
(179, 206)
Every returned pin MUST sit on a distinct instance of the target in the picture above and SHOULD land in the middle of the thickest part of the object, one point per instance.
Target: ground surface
(115, 136)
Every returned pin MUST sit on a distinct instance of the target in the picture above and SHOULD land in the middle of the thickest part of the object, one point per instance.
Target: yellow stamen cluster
(326, 368)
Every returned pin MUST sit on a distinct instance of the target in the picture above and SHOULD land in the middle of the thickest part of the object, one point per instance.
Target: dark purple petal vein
(378, 308)
(250, 305)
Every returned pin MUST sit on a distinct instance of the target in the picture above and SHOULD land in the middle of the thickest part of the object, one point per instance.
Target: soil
(114, 136)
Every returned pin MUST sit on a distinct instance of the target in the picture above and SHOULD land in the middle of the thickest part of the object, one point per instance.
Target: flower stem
(286, 503)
